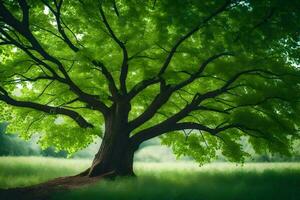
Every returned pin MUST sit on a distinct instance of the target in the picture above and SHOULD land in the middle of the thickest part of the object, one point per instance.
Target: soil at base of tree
(44, 191)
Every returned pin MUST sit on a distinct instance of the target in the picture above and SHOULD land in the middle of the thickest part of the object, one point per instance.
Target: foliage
(225, 69)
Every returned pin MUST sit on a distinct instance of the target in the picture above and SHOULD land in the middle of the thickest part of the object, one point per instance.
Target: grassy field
(171, 181)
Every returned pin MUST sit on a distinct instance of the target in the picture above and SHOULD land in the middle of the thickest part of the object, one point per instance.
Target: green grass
(25, 171)
(174, 181)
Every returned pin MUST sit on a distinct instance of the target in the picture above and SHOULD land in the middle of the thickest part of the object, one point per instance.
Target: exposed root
(84, 173)
(42, 191)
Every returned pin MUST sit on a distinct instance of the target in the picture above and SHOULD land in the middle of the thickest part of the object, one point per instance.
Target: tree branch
(116, 8)
(145, 83)
(57, 15)
(9, 19)
(165, 94)
(44, 108)
(111, 82)
(25, 10)
(155, 131)
(202, 67)
(194, 105)
(124, 66)
(189, 34)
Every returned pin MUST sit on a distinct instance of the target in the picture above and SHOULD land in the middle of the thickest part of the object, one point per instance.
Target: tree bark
(115, 156)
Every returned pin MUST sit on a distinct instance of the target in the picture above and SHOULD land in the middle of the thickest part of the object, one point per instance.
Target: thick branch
(155, 131)
(141, 86)
(152, 109)
(194, 105)
(44, 108)
(57, 14)
(124, 66)
(111, 82)
(25, 9)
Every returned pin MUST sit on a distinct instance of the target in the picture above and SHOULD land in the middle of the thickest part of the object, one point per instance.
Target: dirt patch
(44, 190)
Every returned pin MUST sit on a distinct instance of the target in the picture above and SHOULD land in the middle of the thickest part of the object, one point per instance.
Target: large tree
(204, 76)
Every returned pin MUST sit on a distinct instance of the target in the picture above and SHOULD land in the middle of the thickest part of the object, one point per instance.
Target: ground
(162, 181)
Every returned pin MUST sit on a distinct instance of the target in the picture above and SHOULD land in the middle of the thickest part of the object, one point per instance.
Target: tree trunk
(115, 156)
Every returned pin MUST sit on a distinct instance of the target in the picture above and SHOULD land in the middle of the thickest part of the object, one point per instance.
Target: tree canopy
(210, 74)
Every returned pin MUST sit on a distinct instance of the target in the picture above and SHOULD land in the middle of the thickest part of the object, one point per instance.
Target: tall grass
(25, 171)
(167, 181)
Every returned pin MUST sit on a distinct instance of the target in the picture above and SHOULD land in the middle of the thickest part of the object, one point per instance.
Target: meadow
(173, 181)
